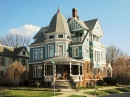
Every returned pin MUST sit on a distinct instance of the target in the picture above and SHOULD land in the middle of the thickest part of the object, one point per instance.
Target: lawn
(28, 93)
(108, 91)
(76, 96)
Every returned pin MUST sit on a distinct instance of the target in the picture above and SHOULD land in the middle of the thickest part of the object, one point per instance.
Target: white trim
(36, 45)
(58, 47)
(35, 63)
(76, 45)
(74, 52)
(48, 50)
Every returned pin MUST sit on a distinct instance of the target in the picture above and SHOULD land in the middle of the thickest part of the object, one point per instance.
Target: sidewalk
(68, 92)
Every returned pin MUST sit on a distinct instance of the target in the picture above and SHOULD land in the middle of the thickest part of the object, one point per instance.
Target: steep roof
(40, 36)
(58, 24)
(10, 51)
(90, 23)
(82, 24)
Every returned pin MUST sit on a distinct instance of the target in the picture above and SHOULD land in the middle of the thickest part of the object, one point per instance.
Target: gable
(74, 25)
(24, 53)
(97, 30)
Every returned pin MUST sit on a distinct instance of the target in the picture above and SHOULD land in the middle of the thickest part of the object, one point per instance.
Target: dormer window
(60, 36)
(23, 52)
(51, 36)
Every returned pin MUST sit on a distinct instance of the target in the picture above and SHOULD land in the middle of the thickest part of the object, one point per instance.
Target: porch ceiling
(63, 59)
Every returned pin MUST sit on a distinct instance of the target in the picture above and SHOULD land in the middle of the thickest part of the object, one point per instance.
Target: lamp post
(53, 63)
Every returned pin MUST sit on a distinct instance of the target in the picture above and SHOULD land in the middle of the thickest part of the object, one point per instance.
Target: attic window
(51, 36)
(23, 52)
(60, 36)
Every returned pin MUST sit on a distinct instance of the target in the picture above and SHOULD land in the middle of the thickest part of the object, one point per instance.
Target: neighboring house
(69, 50)
(8, 55)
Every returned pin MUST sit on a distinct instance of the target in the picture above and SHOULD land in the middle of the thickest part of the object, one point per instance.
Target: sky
(28, 16)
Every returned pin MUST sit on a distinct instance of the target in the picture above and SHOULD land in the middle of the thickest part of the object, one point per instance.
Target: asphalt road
(117, 95)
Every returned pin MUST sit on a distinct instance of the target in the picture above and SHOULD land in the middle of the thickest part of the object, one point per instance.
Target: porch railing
(48, 78)
(62, 54)
(77, 39)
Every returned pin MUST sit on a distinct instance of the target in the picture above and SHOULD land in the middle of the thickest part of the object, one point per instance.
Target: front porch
(64, 68)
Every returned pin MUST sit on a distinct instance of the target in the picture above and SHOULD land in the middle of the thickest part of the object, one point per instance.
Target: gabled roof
(90, 23)
(10, 51)
(82, 24)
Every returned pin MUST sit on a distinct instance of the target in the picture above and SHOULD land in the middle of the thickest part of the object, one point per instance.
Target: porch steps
(62, 84)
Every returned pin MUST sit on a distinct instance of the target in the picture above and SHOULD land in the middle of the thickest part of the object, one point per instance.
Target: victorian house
(68, 50)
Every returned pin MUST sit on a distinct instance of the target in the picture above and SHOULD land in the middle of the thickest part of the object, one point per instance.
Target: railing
(62, 54)
(75, 77)
(77, 39)
(48, 78)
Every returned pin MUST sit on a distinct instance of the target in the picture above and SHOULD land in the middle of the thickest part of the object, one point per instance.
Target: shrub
(110, 81)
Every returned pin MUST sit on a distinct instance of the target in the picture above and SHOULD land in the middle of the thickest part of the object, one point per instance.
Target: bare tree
(112, 53)
(14, 72)
(121, 69)
(15, 40)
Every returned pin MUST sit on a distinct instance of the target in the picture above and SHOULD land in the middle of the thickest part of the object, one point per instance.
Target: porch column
(82, 69)
(79, 69)
(44, 69)
(70, 69)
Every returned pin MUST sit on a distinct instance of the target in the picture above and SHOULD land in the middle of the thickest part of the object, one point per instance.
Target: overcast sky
(28, 16)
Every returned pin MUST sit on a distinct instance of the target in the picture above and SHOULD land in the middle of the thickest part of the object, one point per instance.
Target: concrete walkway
(68, 92)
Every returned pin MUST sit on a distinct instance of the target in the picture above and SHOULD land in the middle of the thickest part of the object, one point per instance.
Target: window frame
(35, 72)
(74, 52)
(37, 54)
(49, 51)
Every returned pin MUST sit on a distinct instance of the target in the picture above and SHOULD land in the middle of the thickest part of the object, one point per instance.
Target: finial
(58, 10)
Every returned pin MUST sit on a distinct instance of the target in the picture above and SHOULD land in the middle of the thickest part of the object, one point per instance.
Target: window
(23, 52)
(75, 52)
(38, 54)
(1, 73)
(49, 69)
(35, 55)
(23, 61)
(60, 36)
(60, 50)
(41, 53)
(50, 51)
(37, 71)
(51, 36)
(68, 37)
(2, 61)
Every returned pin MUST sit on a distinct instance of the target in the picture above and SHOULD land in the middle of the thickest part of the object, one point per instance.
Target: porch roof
(63, 59)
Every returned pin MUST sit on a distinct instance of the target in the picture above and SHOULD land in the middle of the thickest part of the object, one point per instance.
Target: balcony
(77, 39)
(65, 54)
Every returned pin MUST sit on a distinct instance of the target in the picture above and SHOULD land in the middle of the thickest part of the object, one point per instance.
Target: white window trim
(37, 55)
(74, 55)
(48, 50)
(63, 48)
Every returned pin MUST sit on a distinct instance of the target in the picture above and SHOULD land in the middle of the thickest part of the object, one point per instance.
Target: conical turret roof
(58, 24)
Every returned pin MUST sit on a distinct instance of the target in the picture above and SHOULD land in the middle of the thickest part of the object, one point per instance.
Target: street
(117, 95)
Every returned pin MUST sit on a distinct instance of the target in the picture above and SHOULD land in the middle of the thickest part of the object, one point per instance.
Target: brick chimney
(74, 12)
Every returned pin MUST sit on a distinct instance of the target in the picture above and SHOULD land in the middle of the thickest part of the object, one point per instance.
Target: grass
(76, 96)
(97, 93)
(110, 91)
(28, 93)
